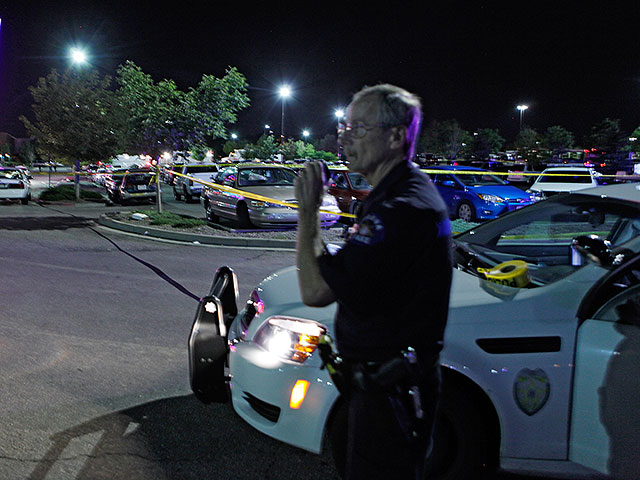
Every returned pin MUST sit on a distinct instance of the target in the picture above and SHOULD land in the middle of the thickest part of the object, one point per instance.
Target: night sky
(573, 63)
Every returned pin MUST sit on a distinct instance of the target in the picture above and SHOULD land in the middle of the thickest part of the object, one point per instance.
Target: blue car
(475, 194)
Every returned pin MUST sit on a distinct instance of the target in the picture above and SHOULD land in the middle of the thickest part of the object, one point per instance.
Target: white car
(563, 179)
(540, 377)
(15, 184)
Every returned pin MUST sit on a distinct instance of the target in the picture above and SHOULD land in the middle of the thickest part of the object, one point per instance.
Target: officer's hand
(310, 185)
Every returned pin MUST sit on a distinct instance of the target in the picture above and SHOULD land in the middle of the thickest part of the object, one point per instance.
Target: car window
(139, 179)
(248, 177)
(225, 174)
(623, 308)
(359, 182)
(479, 179)
(11, 174)
(440, 179)
(565, 176)
(542, 233)
(201, 169)
(339, 179)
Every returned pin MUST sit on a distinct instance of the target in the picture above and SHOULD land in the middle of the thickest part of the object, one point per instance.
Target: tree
(634, 141)
(556, 139)
(486, 141)
(264, 149)
(606, 136)
(74, 116)
(445, 138)
(160, 116)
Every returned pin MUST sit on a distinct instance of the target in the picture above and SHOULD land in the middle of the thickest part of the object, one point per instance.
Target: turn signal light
(298, 393)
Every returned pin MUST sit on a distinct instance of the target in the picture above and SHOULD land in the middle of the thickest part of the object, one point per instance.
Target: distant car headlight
(289, 338)
(491, 198)
(535, 196)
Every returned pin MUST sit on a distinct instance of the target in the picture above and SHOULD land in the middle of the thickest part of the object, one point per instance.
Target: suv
(563, 179)
(183, 186)
(131, 185)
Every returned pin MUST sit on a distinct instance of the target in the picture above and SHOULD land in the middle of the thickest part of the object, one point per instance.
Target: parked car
(349, 189)
(187, 187)
(131, 186)
(476, 194)
(563, 179)
(268, 182)
(15, 184)
(540, 377)
(168, 172)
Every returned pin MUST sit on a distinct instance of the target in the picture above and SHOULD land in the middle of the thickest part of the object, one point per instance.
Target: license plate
(141, 187)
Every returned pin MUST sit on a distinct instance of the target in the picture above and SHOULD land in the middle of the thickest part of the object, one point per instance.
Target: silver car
(263, 183)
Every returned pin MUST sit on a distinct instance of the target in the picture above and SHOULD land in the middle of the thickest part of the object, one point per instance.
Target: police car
(542, 347)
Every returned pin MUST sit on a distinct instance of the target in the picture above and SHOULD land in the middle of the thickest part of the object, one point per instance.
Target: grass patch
(67, 192)
(172, 219)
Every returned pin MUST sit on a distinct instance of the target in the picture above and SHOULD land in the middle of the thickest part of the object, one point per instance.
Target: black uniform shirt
(392, 278)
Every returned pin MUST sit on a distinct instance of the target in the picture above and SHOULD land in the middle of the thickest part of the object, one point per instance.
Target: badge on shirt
(370, 231)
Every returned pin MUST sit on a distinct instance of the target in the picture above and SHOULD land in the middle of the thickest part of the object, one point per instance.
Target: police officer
(391, 282)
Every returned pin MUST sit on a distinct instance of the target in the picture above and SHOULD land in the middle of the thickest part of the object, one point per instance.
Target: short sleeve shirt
(392, 278)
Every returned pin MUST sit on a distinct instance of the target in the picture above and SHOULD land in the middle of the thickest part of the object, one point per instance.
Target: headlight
(491, 198)
(290, 338)
(257, 204)
(535, 196)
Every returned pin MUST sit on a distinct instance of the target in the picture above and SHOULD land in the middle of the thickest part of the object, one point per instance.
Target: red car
(349, 188)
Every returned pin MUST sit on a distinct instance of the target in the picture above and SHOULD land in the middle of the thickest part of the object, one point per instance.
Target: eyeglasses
(358, 130)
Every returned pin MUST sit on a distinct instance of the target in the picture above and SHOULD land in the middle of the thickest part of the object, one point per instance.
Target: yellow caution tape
(513, 273)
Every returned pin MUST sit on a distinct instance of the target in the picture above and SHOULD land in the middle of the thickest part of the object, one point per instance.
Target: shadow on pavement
(44, 223)
(176, 438)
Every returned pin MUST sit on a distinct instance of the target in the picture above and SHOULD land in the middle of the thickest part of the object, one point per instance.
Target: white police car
(541, 364)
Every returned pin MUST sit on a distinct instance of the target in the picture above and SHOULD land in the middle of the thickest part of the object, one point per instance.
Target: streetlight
(339, 114)
(284, 92)
(521, 108)
(234, 136)
(78, 56)
(306, 133)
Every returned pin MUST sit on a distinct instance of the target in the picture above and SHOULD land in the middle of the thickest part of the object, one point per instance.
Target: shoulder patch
(370, 231)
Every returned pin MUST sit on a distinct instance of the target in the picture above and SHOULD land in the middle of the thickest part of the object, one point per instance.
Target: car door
(224, 202)
(605, 421)
(449, 189)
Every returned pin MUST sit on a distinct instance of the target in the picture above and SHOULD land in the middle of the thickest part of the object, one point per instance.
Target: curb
(194, 237)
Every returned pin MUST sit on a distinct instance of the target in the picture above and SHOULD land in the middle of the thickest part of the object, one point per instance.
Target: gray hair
(397, 106)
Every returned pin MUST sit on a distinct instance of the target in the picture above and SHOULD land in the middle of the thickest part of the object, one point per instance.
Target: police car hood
(281, 296)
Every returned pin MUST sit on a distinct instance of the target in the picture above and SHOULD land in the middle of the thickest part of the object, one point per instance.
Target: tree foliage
(486, 141)
(557, 138)
(445, 138)
(79, 115)
(75, 116)
(163, 117)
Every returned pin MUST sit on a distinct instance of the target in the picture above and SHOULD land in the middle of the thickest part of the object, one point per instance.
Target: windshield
(11, 174)
(479, 179)
(541, 234)
(359, 182)
(248, 177)
(202, 169)
(565, 176)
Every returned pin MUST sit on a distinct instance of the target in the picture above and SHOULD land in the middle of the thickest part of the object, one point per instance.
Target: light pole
(521, 108)
(78, 57)
(284, 92)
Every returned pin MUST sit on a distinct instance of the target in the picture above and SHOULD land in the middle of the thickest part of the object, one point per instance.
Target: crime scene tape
(253, 196)
(513, 273)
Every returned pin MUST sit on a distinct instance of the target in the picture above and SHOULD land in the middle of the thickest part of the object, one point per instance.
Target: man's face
(366, 153)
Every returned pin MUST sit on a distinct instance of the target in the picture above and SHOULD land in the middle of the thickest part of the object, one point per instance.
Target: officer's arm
(309, 189)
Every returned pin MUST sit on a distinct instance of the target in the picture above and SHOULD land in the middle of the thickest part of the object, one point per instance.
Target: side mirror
(594, 248)
(448, 183)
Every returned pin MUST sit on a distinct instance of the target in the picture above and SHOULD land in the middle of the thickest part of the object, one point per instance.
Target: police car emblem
(531, 390)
